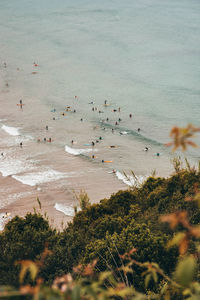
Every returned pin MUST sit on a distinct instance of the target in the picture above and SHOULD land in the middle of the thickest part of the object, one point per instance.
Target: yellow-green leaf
(185, 270)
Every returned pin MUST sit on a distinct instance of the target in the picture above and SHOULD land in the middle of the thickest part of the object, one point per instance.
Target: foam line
(131, 180)
(36, 178)
(11, 130)
(67, 210)
(78, 151)
(10, 166)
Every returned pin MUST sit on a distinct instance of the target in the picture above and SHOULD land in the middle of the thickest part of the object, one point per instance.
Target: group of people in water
(69, 109)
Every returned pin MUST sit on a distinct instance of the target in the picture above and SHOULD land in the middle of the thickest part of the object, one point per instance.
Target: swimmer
(93, 156)
(112, 130)
(138, 129)
(49, 140)
(102, 161)
(114, 110)
(100, 138)
(113, 171)
(112, 146)
(157, 154)
(47, 127)
(92, 102)
(116, 123)
(119, 109)
(38, 140)
(107, 119)
(20, 145)
(45, 139)
(93, 109)
(7, 85)
(74, 110)
(1, 153)
(130, 116)
(54, 119)
(5, 65)
(81, 120)
(63, 114)
(72, 141)
(97, 141)
(119, 120)
(93, 144)
(75, 97)
(146, 149)
(105, 102)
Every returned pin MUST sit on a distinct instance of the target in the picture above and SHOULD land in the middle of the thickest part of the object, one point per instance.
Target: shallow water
(141, 56)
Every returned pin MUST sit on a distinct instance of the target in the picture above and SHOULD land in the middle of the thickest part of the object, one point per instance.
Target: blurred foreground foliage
(104, 232)
(142, 243)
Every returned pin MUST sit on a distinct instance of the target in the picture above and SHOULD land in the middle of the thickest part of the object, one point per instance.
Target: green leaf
(176, 240)
(147, 279)
(76, 293)
(185, 270)
(104, 275)
(155, 276)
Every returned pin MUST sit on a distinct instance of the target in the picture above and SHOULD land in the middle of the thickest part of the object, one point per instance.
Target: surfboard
(87, 144)
(108, 161)
(18, 104)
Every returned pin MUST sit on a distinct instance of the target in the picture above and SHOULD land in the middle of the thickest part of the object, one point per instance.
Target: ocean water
(141, 56)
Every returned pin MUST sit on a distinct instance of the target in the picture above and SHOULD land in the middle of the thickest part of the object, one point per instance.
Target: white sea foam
(67, 210)
(130, 180)
(4, 218)
(123, 132)
(33, 179)
(11, 130)
(78, 151)
(12, 166)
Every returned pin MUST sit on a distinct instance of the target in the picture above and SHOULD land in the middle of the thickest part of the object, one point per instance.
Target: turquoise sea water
(142, 56)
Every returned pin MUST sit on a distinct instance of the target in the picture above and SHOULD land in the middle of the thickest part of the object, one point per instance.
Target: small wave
(67, 210)
(33, 179)
(78, 151)
(130, 180)
(10, 166)
(11, 130)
